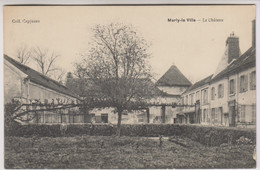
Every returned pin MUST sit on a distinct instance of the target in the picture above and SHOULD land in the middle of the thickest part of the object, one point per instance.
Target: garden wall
(211, 136)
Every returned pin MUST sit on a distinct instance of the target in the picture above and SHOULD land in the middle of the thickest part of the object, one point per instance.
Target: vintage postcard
(130, 86)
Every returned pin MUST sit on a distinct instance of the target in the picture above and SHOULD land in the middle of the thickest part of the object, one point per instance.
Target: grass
(97, 152)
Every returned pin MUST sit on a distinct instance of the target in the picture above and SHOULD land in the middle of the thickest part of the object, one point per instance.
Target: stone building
(167, 91)
(22, 82)
(29, 86)
(227, 97)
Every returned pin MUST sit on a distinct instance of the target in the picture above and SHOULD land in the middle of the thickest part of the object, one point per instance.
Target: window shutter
(251, 81)
(219, 91)
(207, 96)
(254, 80)
(246, 82)
(241, 84)
(222, 95)
(230, 87)
(234, 86)
(212, 93)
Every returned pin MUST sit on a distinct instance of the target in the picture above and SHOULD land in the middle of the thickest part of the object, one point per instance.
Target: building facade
(227, 97)
(29, 86)
(168, 90)
(22, 82)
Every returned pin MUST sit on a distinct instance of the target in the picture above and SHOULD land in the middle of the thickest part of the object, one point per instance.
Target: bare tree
(117, 69)
(45, 60)
(23, 54)
(58, 75)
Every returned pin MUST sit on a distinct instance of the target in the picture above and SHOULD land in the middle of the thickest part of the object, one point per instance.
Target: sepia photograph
(130, 86)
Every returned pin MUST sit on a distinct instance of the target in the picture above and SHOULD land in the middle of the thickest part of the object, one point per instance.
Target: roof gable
(244, 61)
(199, 83)
(173, 77)
(39, 78)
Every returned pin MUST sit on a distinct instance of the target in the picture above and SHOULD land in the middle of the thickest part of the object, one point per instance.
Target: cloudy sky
(194, 47)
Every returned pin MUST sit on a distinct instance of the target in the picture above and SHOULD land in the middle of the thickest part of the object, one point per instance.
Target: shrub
(9, 124)
(243, 141)
(210, 136)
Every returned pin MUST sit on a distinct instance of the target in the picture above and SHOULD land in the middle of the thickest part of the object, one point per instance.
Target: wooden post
(37, 118)
(197, 112)
(163, 113)
(60, 117)
(148, 115)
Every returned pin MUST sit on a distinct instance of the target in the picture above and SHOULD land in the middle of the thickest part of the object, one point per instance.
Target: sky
(194, 47)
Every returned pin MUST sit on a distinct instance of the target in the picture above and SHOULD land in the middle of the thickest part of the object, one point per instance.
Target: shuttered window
(212, 115)
(243, 83)
(205, 96)
(192, 99)
(243, 113)
(232, 86)
(213, 93)
(197, 95)
(220, 91)
(254, 113)
(253, 81)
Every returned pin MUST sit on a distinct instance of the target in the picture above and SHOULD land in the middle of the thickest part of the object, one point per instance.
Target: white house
(227, 97)
(27, 85)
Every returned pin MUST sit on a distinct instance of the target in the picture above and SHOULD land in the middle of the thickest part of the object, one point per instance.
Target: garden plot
(125, 152)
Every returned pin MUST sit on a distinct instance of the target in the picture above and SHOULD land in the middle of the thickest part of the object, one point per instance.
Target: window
(78, 118)
(186, 100)
(212, 115)
(216, 111)
(98, 119)
(243, 83)
(197, 95)
(213, 93)
(232, 86)
(220, 91)
(191, 99)
(104, 118)
(205, 96)
(92, 117)
(254, 113)
(65, 118)
(252, 81)
(208, 115)
(205, 115)
(141, 117)
(220, 112)
(243, 113)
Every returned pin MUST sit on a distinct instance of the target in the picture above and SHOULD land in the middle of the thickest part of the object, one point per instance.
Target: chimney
(253, 33)
(232, 44)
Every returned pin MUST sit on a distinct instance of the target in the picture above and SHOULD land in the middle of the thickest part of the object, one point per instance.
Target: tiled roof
(39, 78)
(173, 77)
(199, 83)
(244, 61)
(84, 87)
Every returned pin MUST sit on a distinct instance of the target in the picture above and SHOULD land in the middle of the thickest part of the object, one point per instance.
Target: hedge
(207, 135)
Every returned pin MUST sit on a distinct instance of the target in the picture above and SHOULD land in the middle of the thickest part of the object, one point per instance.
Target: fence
(54, 118)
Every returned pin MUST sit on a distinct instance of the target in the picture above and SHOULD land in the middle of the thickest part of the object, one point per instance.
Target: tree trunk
(118, 132)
